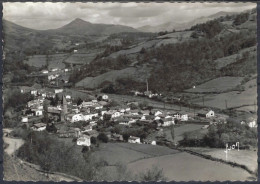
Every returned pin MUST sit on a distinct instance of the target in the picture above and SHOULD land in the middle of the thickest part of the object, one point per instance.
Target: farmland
(217, 85)
(55, 60)
(185, 167)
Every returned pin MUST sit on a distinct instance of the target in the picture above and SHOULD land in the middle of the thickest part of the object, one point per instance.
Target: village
(99, 117)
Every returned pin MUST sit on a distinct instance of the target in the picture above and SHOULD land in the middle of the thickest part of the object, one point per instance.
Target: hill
(195, 55)
(81, 27)
(169, 26)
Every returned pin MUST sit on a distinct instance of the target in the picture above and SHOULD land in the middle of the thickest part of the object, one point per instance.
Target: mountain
(169, 26)
(81, 27)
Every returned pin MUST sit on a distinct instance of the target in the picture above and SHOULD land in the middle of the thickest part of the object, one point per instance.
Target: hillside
(221, 47)
(169, 26)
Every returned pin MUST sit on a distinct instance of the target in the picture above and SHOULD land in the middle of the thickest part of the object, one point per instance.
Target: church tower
(64, 109)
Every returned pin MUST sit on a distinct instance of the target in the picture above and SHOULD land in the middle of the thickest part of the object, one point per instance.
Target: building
(207, 114)
(39, 127)
(168, 122)
(84, 140)
(74, 117)
(133, 139)
(24, 119)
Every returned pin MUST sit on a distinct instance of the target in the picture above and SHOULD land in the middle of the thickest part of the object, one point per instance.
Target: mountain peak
(79, 21)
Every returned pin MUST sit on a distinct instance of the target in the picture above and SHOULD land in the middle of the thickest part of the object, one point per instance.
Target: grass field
(126, 153)
(81, 58)
(233, 98)
(244, 157)
(55, 61)
(186, 167)
(217, 85)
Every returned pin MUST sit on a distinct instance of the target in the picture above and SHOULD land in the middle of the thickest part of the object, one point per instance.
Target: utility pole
(203, 100)
(255, 106)
(194, 112)
(147, 85)
(226, 103)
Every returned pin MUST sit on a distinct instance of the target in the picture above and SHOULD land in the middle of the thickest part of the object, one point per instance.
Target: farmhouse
(24, 119)
(133, 139)
(38, 112)
(84, 140)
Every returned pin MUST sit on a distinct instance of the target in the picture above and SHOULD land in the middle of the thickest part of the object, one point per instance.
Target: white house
(75, 117)
(252, 124)
(211, 113)
(34, 92)
(45, 71)
(89, 116)
(84, 140)
(105, 97)
(68, 97)
(184, 117)
(157, 113)
(39, 127)
(153, 143)
(168, 122)
(38, 112)
(133, 139)
(75, 51)
(24, 119)
(58, 91)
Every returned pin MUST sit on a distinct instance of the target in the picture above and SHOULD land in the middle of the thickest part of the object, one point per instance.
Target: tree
(93, 140)
(45, 111)
(79, 101)
(126, 136)
(102, 137)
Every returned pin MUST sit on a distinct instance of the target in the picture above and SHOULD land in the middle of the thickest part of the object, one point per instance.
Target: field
(111, 76)
(185, 167)
(127, 153)
(217, 85)
(80, 58)
(176, 165)
(244, 157)
(55, 60)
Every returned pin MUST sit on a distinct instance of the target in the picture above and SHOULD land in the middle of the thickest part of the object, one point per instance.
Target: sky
(53, 15)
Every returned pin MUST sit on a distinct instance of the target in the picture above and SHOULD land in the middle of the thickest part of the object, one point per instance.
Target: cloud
(53, 15)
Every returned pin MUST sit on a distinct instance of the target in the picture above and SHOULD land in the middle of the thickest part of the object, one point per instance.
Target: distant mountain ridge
(169, 26)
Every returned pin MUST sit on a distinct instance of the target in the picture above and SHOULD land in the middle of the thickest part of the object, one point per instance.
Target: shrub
(103, 137)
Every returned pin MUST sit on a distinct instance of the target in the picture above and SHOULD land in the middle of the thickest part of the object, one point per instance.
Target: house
(89, 116)
(34, 92)
(145, 112)
(25, 89)
(168, 122)
(39, 127)
(74, 117)
(75, 51)
(45, 71)
(207, 114)
(84, 140)
(184, 117)
(58, 91)
(157, 113)
(133, 139)
(24, 119)
(252, 124)
(105, 97)
(134, 112)
(103, 103)
(38, 112)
